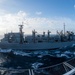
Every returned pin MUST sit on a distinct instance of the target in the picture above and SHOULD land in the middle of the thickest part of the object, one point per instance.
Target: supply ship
(35, 41)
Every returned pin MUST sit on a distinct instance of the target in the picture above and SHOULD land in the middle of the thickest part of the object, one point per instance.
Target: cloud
(9, 22)
(51, 24)
(3, 12)
(22, 14)
(38, 13)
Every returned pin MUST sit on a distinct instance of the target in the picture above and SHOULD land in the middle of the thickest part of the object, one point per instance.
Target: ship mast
(34, 34)
(48, 35)
(21, 33)
(64, 29)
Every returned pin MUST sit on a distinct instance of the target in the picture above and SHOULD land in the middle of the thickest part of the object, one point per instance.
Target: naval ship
(17, 40)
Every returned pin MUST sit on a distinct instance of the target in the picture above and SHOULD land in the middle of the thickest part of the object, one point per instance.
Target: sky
(41, 15)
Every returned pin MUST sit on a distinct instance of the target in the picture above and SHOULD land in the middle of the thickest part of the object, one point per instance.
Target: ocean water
(16, 59)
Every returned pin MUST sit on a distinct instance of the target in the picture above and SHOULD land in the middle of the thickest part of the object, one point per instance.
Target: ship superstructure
(37, 41)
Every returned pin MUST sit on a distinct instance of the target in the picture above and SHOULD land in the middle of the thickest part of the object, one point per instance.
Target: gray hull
(35, 46)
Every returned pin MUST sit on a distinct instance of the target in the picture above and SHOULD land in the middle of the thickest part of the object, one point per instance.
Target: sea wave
(36, 59)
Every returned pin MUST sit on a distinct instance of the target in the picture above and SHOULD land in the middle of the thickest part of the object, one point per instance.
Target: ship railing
(72, 72)
(65, 68)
